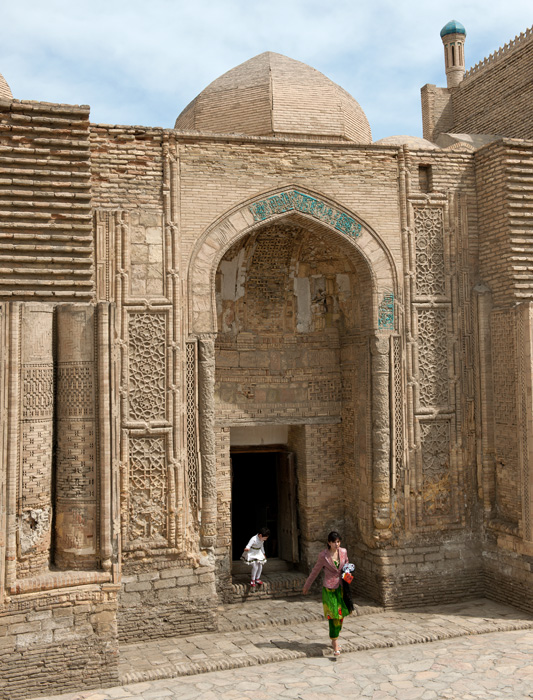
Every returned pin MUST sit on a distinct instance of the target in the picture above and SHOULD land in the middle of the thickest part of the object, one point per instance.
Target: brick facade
(356, 318)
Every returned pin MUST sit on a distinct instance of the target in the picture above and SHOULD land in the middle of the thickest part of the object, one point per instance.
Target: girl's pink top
(332, 574)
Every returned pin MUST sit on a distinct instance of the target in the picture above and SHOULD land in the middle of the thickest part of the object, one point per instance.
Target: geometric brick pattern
(36, 457)
(75, 390)
(147, 508)
(37, 393)
(433, 357)
(76, 477)
(430, 278)
(193, 464)
(147, 366)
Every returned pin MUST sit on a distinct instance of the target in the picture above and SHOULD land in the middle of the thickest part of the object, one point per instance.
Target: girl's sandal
(337, 652)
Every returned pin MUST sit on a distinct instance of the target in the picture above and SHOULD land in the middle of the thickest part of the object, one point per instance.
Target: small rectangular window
(425, 178)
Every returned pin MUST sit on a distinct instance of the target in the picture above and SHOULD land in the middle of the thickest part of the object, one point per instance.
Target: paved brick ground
(480, 649)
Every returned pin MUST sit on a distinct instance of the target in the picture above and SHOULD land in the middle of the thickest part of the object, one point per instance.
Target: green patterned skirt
(333, 602)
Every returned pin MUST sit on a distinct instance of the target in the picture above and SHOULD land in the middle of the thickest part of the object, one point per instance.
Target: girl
(254, 555)
(331, 560)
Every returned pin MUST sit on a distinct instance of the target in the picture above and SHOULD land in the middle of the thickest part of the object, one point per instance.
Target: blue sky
(142, 61)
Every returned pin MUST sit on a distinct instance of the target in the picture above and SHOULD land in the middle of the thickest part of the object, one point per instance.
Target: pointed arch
(315, 211)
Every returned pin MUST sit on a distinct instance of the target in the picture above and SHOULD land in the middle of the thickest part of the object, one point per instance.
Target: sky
(140, 62)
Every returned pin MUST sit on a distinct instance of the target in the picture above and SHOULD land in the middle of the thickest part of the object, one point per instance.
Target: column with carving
(35, 437)
(381, 435)
(76, 527)
(206, 421)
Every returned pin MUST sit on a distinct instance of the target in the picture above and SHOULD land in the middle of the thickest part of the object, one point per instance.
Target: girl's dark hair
(264, 531)
(333, 536)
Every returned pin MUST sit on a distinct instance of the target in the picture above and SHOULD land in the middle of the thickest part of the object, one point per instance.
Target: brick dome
(272, 95)
(5, 90)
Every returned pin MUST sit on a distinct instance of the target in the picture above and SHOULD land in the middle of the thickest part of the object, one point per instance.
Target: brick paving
(280, 648)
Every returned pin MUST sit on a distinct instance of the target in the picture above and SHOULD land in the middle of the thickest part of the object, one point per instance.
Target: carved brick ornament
(430, 277)
(147, 364)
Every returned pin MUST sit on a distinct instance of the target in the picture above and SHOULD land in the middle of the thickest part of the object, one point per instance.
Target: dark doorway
(263, 493)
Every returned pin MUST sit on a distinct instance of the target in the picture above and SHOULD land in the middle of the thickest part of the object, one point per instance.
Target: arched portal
(315, 212)
(293, 311)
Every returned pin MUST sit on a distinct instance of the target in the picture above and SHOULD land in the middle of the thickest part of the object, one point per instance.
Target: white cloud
(140, 62)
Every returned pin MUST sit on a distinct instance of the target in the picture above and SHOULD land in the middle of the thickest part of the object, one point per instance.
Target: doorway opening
(263, 493)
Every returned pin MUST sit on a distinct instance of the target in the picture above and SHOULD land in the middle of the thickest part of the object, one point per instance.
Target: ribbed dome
(5, 90)
(414, 142)
(272, 95)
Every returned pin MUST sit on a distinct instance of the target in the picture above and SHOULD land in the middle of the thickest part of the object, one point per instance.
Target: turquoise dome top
(453, 27)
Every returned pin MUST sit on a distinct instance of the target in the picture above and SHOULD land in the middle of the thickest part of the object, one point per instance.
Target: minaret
(453, 37)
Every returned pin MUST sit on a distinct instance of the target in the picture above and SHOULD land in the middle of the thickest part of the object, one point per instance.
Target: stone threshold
(287, 636)
(275, 585)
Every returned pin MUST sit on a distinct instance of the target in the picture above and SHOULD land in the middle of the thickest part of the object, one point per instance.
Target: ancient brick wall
(318, 450)
(45, 202)
(344, 313)
(219, 174)
(126, 167)
(35, 434)
(428, 571)
(505, 376)
(504, 171)
(136, 259)
(442, 237)
(41, 631)
(437, 111)
(356, 440)
(507, 570)
(55, 452)
(495, 96)
(445, 265)
(166, 599)
(57, 533)
(507, 482)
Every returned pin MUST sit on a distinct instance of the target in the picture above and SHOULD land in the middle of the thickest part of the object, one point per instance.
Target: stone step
(275, 585)
(256, 613)
(274, 565)
(283, 630)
